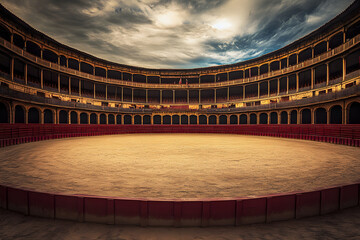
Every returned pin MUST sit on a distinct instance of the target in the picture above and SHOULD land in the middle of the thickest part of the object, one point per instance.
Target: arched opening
(101, 72)
(146, 119)
(5, 33)
(83, 118)
(273, 118)
(293, 117)
(167, 119)
(202, 119)
(73, 63)
(102, 118)
(184, 120)
(353, 30)
(320, 48)
(63, 117)
(320, 116)
(175, 119)
(243, 119)
(305, 55)
(93, 118)
(33, 115)
(264, 69)
(137, 120)
(63, 61)
(157, 119)
(50, 56)
(223, 119)
(111, 119)
(306, 116)
(127, 119)
(336, 115)
(4, 113)
(352, 62)
(33, 48)
(263, 118)
(118, 119)
(233, 119)
(74, 118)
(336, 40)
(274, 65)
(283, 117)
(86, 68)
(48, 116)
(212, 119)
(193, 119)
(354, 113)
(19, 114)
(18, 41)
(4, 63)
(253, 118)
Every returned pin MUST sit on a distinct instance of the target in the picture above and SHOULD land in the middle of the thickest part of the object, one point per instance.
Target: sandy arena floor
(171, 166)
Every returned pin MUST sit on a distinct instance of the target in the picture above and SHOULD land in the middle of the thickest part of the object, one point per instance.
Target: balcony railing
(340, 49)
(12, 94)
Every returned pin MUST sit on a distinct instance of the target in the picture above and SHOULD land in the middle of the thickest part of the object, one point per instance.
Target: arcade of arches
(333, 113)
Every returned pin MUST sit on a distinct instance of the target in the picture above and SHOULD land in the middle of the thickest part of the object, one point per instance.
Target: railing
(344, 47)
(333, 96)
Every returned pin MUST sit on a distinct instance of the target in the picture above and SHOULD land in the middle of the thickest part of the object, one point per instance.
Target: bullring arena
(265, 140)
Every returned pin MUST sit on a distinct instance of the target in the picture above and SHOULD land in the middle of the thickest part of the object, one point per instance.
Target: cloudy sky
(176, 33)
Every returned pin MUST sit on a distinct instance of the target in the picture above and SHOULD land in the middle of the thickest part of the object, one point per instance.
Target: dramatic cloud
(176, 33)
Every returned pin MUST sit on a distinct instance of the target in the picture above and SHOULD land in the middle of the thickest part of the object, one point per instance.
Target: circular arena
(272, 138)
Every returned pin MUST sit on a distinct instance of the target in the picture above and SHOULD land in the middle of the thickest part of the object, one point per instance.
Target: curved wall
(178, 212)
(323, 62)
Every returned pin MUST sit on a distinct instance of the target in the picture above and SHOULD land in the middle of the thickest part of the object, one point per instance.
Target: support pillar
(327, 74)
(94, 90)
(69, 117)
(328, 116)
(344, 69)
(41, 78)
(25, 74)
(12, 69)
(297, 82)
(312, 112)
(26, 116)
(312, 77)
(289, 117)
(287, 85)
(41, 112)
(59, 83)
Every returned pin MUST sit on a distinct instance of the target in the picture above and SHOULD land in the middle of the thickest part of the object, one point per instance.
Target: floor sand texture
(173, 166)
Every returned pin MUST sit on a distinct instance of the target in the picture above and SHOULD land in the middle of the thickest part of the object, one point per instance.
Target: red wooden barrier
(128, 212)
(41, 204)
(330, 200)
(69, 208)
(251, 210)
(349, 196)
(3, 197)
(222, 213)
(17, 200)
(161, 213)
(308, 204)
(99, 210)
(280, 207)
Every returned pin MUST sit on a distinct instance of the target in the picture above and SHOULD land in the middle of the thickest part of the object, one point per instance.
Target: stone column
(12, 69)
(25, 73)
(327, 74)
(344, 69)
(312, 77)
